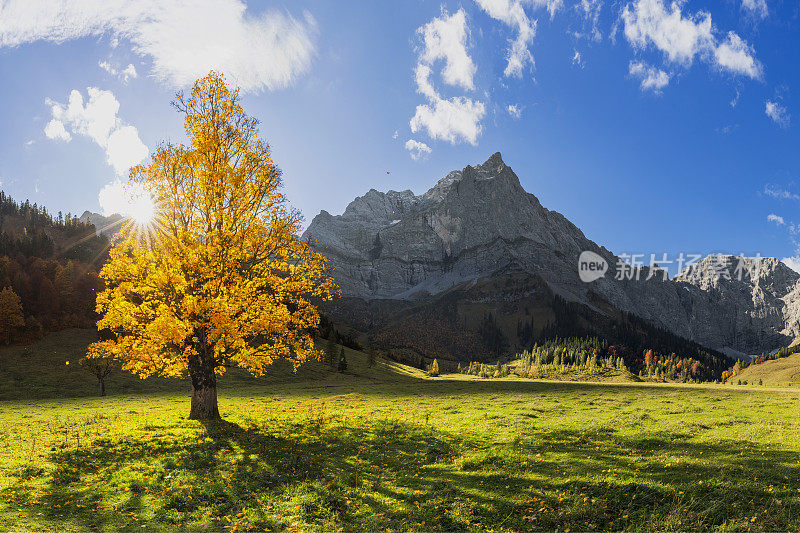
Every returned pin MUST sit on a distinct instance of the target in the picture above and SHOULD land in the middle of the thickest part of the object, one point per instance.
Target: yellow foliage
(220, 278)
(99, 358)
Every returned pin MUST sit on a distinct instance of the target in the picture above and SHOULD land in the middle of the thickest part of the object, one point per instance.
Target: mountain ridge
(104, 225)
(480, 220)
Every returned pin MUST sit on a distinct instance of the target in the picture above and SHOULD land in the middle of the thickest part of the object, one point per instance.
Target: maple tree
(220, 278)
(100, 362)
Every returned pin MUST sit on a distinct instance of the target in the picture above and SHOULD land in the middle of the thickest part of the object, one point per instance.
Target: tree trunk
(102, 386)
(204, 389)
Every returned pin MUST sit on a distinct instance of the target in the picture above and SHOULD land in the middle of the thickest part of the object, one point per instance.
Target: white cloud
(515, 110)
(124, 149)
(772, 217)
(737, 56)
(651, 78)
(552, 6)
(577, 59)
(452, 120)
(735, 100)
(105, 65)
(417, 150)
(424, 87)
(777, 113)
(512, 14)
(792, 262)
(679, 38)
(445, 38)
(455, 119)
(98, 120)
(756, 7)
(780, 194)
(129, 73)
(125, 75)
(183, 41)
(682, 39)
(395, 134)
(590, 9)
(55, 130)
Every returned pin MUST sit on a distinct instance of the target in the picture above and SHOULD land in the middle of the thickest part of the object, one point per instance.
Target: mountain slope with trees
(50, 264)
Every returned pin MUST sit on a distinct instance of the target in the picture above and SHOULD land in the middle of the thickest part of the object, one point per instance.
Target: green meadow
(386, 448)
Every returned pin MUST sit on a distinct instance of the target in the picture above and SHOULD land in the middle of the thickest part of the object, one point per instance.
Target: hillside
(49, 368)
(51, 264)
(509, 313)
(775, 373)
(31, 231)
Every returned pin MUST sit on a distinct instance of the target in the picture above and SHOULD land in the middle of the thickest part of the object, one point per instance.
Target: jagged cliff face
(479, 221)
(472, 223)
(755, 314)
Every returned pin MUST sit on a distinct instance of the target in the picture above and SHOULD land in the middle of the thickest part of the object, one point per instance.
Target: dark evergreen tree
(331, 353)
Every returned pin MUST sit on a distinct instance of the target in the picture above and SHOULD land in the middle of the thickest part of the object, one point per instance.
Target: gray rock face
(107, 226)
(480, 220)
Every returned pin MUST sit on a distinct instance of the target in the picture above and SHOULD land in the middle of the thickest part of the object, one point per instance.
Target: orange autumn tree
(220, 277)
(11, 316)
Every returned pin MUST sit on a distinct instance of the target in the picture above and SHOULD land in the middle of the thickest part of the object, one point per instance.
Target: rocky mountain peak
(492, 169)
(442, 187)
(103, 225)
(379, 207)
(476, 222)
(493, 165)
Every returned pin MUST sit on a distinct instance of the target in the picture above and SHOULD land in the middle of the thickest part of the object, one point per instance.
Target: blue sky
(655, 126)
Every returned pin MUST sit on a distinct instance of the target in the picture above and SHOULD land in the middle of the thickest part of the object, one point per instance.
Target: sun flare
(142, 209)
(130, 201)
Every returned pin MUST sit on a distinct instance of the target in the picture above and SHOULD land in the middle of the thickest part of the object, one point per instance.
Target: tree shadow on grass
(329, 472)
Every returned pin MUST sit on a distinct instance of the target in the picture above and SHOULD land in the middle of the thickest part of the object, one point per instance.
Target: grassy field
(383, 448)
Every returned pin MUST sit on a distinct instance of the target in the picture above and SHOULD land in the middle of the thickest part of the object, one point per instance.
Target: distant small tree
(422, 365)
(11, 317)
(342, 361)
(99, 362)
(330, 352)
(434, 369)
(33, 328)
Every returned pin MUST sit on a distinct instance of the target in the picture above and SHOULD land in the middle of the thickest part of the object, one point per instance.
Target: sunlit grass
(372, 450)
